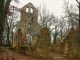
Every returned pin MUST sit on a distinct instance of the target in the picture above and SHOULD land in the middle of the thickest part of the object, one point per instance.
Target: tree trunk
(12, 36)
(3, 15)
(55, 36)
(61, 34)
(2, 22)
(1, 34)
(54, 39)
(8, 30)
(79, 15)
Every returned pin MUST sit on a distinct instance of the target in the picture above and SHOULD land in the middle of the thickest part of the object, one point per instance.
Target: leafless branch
(77, 1)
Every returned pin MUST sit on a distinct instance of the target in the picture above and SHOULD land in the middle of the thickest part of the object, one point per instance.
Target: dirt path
(10, 55)
(59, 56)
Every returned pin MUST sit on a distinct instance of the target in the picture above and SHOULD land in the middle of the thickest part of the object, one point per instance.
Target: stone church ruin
(30, 34)
(37, 40)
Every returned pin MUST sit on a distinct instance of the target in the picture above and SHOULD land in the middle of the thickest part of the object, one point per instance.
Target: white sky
(54, 6)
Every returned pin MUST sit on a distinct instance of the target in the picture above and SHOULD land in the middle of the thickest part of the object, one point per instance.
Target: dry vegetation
(6, 54)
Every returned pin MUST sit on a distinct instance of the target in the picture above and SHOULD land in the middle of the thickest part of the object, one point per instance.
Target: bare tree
(10, 23)
(56, 29)
(79, 12)
(48, 20)
(45, 17)
(70, 13)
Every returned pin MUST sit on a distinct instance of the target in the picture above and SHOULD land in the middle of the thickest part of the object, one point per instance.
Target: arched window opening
(27, 9)
(31, 10)
(29, 39)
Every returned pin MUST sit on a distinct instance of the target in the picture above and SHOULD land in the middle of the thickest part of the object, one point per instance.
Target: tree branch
(77, 1)
(77, 19)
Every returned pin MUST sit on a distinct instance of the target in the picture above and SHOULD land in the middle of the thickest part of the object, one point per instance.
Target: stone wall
(19, 38)
(72, 44)
(15, 39)
(43, 43)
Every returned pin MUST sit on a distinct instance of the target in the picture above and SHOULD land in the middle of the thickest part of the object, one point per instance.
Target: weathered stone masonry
(30, 34)
(28, 21)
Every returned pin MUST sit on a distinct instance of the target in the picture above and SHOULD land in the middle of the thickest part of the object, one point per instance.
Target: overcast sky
(54, 6)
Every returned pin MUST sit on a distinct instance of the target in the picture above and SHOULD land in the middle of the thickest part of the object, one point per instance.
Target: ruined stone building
(28, 22)
(30, 34)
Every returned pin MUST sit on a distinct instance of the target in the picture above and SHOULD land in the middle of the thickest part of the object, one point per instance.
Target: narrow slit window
(31, 10)
(27, 9)
(29, 25)
(32, 19)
